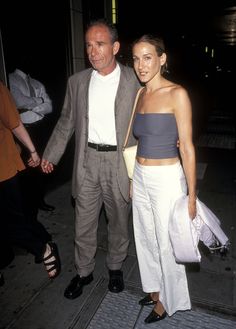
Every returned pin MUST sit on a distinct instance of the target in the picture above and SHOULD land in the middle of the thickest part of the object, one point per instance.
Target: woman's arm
(183, 114)
(22, 135)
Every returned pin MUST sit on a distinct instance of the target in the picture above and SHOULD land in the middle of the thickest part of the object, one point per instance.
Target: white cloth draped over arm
(186, 233)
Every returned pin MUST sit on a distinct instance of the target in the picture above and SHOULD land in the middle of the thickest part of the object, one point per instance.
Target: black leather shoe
(116, 282)
(75, 288)
(147, 300)
(46, 207)
(154, 317)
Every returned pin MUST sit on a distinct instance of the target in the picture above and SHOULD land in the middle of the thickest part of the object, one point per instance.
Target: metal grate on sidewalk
(123, 311)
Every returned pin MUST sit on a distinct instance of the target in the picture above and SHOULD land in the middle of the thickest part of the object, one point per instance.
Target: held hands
(46, 166)
(34, 161)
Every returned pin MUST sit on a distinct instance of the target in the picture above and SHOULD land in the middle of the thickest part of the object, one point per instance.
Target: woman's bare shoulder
(178, 92)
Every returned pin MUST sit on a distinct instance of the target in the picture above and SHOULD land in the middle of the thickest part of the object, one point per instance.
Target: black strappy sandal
(56, 263)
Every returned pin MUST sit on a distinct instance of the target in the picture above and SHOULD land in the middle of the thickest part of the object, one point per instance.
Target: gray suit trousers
(100, 186)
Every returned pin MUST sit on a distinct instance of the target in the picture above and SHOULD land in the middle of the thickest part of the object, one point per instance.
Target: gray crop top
(157, 135)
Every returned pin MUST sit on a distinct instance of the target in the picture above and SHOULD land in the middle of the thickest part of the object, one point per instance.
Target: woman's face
(147, 63)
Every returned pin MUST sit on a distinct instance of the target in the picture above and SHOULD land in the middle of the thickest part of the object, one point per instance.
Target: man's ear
(116, 47)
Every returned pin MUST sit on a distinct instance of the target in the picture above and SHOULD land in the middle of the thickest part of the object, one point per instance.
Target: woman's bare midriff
(157, 162)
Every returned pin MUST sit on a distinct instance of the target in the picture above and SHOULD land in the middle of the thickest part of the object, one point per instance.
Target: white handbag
(129, 153)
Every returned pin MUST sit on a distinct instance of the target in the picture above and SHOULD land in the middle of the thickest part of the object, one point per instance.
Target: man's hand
(46, 166)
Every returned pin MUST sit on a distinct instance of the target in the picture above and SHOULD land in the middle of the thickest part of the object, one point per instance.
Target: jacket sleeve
(63, 130)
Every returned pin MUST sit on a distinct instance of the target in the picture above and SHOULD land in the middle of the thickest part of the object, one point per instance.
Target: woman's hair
(102, 22)
(155, 41)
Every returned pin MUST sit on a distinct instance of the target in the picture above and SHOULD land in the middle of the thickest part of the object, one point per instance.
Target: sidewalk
(28, 300)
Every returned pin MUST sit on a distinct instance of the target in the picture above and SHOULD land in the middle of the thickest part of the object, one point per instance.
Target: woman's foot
(155, 296)
(157, 314)
(158, 308)
(150, 299)
(51, 260)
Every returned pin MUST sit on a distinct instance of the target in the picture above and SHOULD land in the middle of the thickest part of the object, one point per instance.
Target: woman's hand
(192, 208)
(34, 159)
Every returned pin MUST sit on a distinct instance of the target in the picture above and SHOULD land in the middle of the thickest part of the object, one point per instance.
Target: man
(33, 104)
(97, 107)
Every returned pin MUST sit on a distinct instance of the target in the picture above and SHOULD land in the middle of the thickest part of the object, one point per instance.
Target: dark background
(37, 33)
(36, 39)
(34, 35)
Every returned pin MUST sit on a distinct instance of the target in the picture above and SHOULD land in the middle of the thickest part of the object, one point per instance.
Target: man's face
(100, 49)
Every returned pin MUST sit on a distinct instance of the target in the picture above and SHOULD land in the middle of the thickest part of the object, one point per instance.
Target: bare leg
(52, 260)
(159, 309)
(154, 296)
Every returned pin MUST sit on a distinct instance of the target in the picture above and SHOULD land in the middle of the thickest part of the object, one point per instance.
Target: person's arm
(21, 94)
(22, 135)
(39, 111)
(31, 108)
(43, 108)
(46, 106)
(61, 134)
(183, 114)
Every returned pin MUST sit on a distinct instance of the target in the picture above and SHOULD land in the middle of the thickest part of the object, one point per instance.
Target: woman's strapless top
(157, 135)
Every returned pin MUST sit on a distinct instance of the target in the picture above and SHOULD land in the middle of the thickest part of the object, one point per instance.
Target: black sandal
(56, 263)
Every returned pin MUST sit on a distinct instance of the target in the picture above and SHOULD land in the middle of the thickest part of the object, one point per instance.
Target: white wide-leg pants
(155, 189)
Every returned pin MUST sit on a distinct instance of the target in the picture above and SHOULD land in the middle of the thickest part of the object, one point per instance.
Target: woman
(163, 117)
(15, 227)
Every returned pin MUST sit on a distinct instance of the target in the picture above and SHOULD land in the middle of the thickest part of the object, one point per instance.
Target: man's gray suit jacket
(74, 119)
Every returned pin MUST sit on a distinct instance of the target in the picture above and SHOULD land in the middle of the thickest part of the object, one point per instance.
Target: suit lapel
(121, 109)
(122, 92)
(83, 92)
